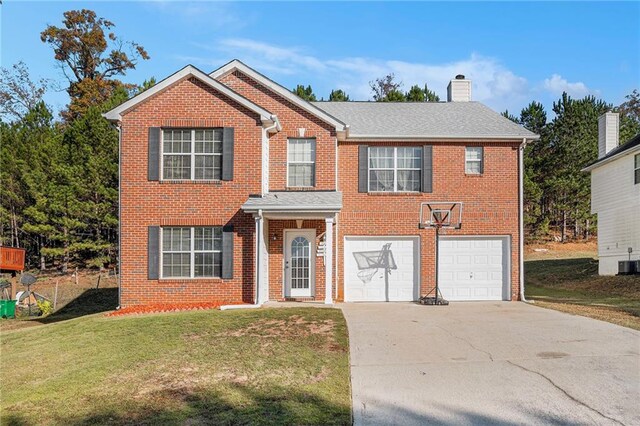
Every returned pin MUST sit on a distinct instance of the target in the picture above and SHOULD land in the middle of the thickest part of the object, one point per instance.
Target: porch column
(328, 261)
(262, 273)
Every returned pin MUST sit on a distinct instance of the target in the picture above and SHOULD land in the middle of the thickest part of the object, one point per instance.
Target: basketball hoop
(439, 215)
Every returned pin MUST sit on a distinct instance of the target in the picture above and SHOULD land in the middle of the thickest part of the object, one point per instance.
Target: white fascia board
(374, 138)
(280, 90)
(116, 113)
(612, 158)
(292, 209)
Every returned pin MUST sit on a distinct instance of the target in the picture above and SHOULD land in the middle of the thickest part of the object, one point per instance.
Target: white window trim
(474, 160)
(636, 159)
(192, 254)
(192, 155)
(314, 162)
(395, 168)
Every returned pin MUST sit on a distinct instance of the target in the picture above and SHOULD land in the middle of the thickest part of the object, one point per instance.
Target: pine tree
(305, 93)
(338, 95)
(415, 94)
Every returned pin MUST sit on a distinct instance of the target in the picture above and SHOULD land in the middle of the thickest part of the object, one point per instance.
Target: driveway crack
(567, 394)
(466, 341)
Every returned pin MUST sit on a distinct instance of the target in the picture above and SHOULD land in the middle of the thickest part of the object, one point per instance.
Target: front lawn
(266, 366)
(570, 282)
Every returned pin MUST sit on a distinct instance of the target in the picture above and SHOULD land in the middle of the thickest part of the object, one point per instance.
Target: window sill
(472, 175)
(190, 280)
(300, 188)
(191, 182)
(395, 194)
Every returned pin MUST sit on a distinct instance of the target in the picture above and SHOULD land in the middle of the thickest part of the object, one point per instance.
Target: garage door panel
(399, 284)
(473, 268)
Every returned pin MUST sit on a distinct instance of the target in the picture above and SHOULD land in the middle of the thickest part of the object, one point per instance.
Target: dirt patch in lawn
(293, 326)
(269, 331)
(603, 313)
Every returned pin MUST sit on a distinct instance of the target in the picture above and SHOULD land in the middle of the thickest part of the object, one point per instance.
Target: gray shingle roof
(423, 120)
(296, 200)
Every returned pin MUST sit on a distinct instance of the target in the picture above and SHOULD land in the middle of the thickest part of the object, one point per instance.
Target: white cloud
(493, 83)
(556, 85)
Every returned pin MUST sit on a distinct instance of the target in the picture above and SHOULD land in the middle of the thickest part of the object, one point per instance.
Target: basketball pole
(437, 256)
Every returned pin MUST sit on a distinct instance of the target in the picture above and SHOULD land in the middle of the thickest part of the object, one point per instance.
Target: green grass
(267, 366)
(575, 281)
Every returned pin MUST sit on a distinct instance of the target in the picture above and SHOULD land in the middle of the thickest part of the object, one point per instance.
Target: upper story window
(395, 169)
(473, 160)
(192, 154)
(636, 169)
(191, 252)
(301, 162)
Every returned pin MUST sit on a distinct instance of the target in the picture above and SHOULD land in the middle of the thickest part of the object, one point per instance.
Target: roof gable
(236, 65)
(189, 71)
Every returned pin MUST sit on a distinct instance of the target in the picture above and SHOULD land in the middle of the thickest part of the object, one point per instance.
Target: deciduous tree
(91, 57)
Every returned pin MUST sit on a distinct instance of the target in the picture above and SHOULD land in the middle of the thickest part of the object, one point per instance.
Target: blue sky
(514, 52)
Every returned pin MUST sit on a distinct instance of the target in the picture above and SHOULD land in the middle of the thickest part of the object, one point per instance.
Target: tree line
(59, 175)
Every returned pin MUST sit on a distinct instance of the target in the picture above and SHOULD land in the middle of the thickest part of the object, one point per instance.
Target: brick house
(233, 188)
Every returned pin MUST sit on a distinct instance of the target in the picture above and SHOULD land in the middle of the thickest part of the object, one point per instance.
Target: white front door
(299, 262)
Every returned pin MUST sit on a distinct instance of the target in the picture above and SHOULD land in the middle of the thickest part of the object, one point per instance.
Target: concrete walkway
(490, 363)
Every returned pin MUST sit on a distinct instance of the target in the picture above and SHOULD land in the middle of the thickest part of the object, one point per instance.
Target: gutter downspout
(265, 153)
(119, 271)
(521, 215)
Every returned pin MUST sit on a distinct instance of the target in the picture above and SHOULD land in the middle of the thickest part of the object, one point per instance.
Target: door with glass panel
(299, 263)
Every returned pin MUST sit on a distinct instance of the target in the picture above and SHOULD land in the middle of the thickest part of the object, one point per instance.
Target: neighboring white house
(615, 195)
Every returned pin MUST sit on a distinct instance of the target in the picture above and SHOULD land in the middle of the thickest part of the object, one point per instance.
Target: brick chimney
(608, 132)
(459, 89)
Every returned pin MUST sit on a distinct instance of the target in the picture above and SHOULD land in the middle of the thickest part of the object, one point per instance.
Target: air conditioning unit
(627, 267)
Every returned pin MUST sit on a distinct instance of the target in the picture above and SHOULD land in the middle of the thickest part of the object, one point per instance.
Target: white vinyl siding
(473, 160)
(616, 199)
(192, 154)
(191, 252)
(395, 169)
(301, 162)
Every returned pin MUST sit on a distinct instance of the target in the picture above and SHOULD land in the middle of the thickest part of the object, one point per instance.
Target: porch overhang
(295, 204)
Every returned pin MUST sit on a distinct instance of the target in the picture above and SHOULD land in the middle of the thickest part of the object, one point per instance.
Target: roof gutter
(599, 163)
(291, 209)
(363, 138)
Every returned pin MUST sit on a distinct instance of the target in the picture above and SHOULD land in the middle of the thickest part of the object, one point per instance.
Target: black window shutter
(427, 168)
(481, 160)
(153, 253)
(227, 252)
(363, 168)
(154, 154)
(227, 153)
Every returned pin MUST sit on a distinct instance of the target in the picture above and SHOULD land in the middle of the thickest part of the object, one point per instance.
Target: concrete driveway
(490, 363)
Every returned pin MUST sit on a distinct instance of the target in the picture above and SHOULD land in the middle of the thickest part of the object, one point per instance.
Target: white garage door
(474, 268)
(379, 269)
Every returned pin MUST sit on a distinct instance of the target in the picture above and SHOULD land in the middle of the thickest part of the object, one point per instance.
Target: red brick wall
(188, 103)
(292, 118)
(490, 203)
